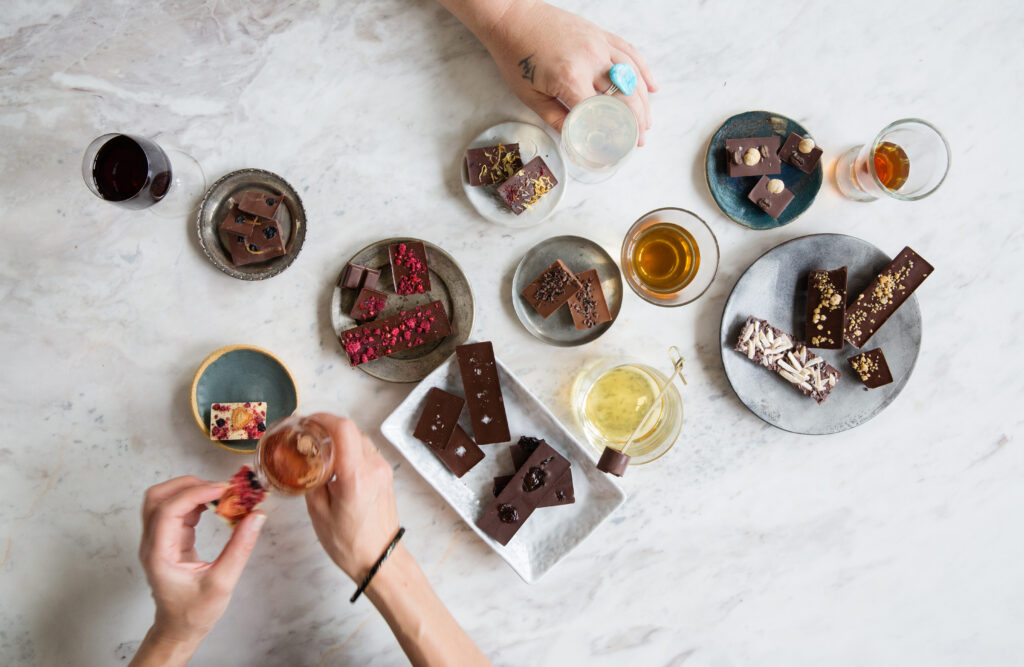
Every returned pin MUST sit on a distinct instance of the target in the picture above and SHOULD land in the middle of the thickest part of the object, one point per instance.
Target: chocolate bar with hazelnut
(801, 152)
(490, 165)
(872, 368)
(753, 157)
(409, 269)
(439, 418)
(771, 196)
(826, 309)
(480, 381)
(809, 373)
(588, 306)
(400, 332)
(552, 289)
(762, 343)
(523, 493)
(883, 297)
(524, 188)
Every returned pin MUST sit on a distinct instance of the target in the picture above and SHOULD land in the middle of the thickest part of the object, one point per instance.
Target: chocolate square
(491, 165)
(883, 297)
(259, 203)
(872, 368)
(588, 306)
(767, 149)
(368, 305)
(439, 418)
(238, 223)
(790, 152)
(264, 242)
(460, 454)
(398, 333)
(771, 203)
(479, 373)
(353, 275)
(552, 289)
(525, 187)
(409, 268)
(370, 278)
(826, 309)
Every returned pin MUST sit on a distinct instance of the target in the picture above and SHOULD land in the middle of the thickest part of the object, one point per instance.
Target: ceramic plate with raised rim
(551, 533)
(774, 288)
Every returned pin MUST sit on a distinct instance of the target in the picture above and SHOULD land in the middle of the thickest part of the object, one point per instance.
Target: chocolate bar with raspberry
(399, 333)
(409, 269)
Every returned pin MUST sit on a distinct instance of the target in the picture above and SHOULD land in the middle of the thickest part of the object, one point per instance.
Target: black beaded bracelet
(377, 565)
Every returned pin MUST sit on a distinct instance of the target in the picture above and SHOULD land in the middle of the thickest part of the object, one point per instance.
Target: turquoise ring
(623, 80)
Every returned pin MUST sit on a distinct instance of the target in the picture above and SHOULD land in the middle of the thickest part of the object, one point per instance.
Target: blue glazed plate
(731, 193)
(240, 373)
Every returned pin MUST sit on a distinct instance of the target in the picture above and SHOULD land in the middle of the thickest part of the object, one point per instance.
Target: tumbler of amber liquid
(295, 456)
(908, 160)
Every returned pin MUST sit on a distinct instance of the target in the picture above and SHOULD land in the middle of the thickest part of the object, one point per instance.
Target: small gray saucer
(448, 284)
(215, 205)
(579, 254)
(774, 288)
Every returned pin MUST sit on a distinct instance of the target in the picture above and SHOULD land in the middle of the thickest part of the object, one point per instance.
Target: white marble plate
(533, 141)
(551, 532)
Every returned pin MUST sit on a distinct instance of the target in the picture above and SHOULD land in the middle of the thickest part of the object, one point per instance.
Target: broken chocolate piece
(409, 269)
(551, 289)
(762, 343)
(460, 454)
(250, 239)
(613, 462)
(368, 305)
(588, 306)
(826, 309)
(525, 187)
(262, 204)
(883, 297)
(439, 418)
(740, 152)
(491, 165)
(483, 392)
(400, 332)
(772, 203)
(809, 373)
(872, 368)
(791, 152)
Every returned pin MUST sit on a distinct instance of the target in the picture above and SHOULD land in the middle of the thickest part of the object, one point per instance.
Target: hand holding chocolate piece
(491, 165)
(872, 368)
(479, 373)
(409, 269)
(771, 196)
(826, 309)
(800, 152)
(753, 157)
(525, 187)
(552, 289)
(588, 306)
(885, 295)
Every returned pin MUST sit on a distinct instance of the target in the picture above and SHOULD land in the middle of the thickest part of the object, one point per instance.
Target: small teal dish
(731, 193)
(240, 373)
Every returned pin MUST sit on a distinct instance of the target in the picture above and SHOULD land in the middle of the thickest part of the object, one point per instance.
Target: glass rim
(624, 259)
(878, 138)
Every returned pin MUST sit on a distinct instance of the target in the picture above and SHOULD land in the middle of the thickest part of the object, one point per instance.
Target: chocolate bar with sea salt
(479, 373)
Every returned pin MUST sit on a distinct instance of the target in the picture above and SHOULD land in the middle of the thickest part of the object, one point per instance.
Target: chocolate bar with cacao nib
(552, 289)
(588, 306)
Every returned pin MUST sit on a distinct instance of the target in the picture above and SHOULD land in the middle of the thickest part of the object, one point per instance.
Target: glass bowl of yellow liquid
(611, 399)
(670, 257)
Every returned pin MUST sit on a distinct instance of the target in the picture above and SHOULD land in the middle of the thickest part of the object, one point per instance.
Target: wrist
(492, 22)
(163, 647)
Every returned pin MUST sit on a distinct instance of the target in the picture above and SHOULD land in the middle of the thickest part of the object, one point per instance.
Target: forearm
(424, 627)
(484, 18)
(157, 650)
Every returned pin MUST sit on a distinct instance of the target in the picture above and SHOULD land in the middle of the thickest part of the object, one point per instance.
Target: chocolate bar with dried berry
(409, 269)
(368, 305)
(400, 332)
(238, 421)
(525, 187)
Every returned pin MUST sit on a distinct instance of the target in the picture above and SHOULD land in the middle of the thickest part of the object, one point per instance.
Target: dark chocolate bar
(520, 497)
(562, 491)
(885, 295)
(771, 196)
(800, 152)
(552, 289)
(262, 204)
(460, 454)
(525, 187)
(588, 306)
(522, 450)
(491, 165)
(754, 156)
(251, 240)
(809, 373)
(872, 368)
(826, 309)
(483, 392)
(409, 267)
(368, 305)
(402, 331)
(439, 418)
(762, 343)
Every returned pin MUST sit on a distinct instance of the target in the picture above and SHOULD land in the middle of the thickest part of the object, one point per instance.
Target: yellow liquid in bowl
(618, 401)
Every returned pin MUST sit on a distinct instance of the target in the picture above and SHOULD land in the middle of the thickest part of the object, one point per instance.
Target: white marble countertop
(896, 543)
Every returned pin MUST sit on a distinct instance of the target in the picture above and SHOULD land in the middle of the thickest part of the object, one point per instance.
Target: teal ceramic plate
(240, 373)
(731, 193)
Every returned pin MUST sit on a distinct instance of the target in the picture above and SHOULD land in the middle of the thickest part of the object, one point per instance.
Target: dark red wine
(133, 172)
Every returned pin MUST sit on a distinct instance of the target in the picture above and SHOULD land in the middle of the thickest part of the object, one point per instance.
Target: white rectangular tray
(552, 532)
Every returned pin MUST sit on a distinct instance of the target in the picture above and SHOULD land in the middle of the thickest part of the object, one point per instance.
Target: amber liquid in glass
(665, 258)
(891, 165)
(295, 455)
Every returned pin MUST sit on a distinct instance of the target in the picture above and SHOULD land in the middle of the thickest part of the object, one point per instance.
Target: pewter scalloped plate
(774, 288)
(551, 533)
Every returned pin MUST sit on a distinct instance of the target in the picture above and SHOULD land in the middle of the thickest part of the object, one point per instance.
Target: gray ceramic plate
(215, 205)
(448, 284)
(774, 288)
(579, 254)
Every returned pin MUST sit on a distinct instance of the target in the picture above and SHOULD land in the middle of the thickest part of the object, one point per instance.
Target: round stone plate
(731, 193)
(291, 216)
(774, 288)
(448, 284)
(579, 254)
(533, 141)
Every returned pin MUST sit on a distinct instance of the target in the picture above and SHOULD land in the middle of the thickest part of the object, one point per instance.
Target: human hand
(547, 54)
(354, 515)
(191, 595)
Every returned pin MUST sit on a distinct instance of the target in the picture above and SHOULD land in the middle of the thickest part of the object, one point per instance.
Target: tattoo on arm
(528, 68)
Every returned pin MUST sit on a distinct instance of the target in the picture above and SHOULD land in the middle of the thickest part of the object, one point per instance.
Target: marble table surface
(896, 543)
